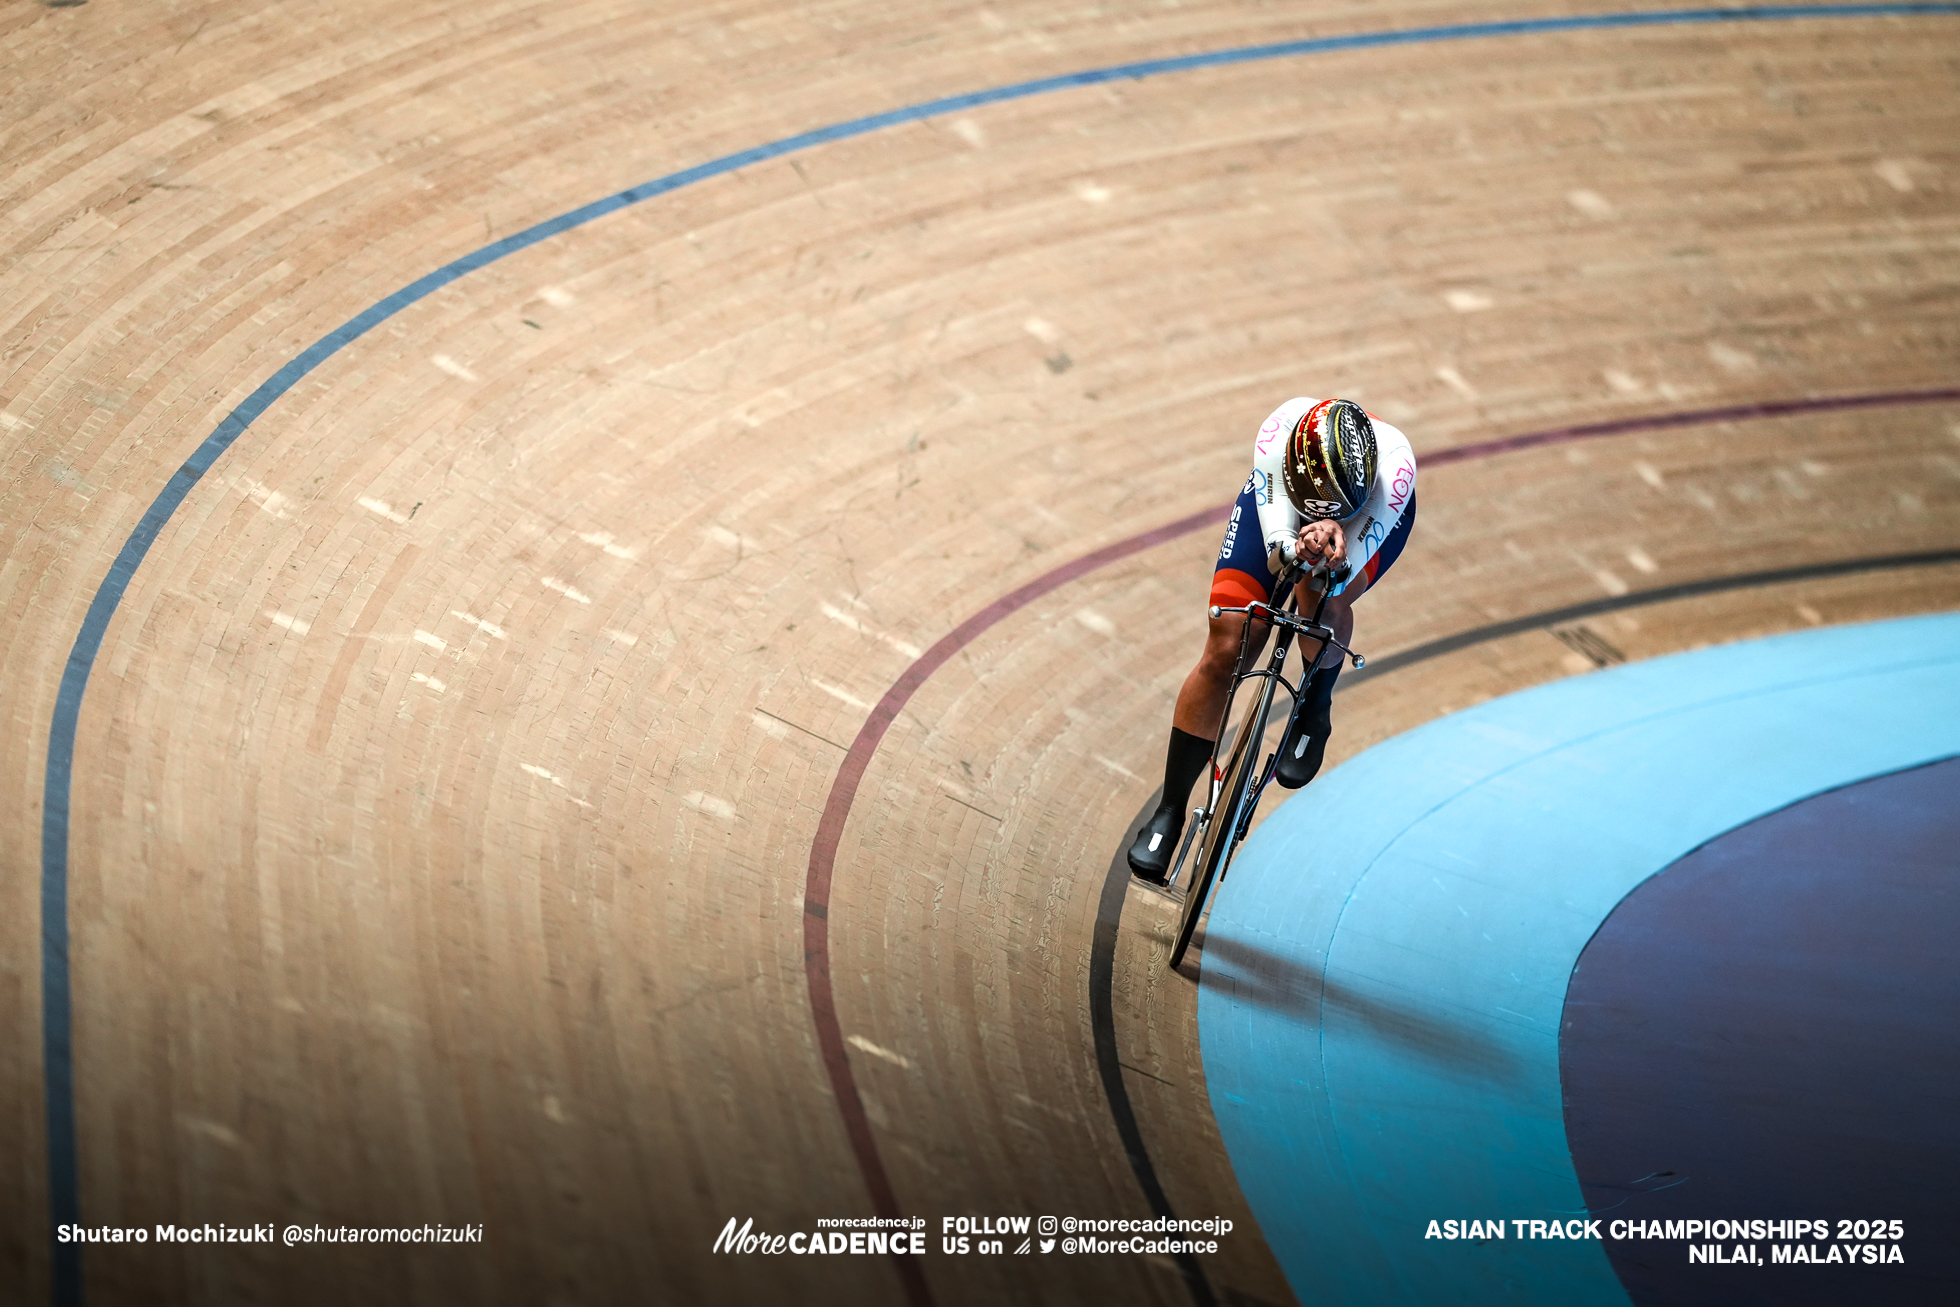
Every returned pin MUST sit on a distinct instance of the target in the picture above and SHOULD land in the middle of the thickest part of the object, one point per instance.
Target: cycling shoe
(1156, 845)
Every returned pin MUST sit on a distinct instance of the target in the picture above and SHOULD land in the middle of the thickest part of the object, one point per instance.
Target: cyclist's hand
(1320, 542)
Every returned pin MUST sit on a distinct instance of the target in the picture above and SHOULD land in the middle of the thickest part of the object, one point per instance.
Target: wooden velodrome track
(479, 811)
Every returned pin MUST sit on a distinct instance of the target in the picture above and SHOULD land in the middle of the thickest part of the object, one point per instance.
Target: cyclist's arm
(1279, 521)
(1395, 487)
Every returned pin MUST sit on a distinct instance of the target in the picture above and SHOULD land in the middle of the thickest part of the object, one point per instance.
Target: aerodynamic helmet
(1330, 460)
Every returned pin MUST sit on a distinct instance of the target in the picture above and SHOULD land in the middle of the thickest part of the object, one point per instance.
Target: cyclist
(1329, 484)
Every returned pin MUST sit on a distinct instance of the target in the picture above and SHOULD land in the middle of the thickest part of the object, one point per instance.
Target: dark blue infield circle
(56, 1002)
(1770, 1028)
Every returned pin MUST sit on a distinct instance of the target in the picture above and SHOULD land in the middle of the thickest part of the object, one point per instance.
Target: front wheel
(1230, 813)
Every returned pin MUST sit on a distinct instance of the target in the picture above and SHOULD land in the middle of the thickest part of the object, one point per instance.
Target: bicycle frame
(1245, 785)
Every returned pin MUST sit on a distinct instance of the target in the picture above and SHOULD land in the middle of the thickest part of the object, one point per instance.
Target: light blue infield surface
(1386, 964)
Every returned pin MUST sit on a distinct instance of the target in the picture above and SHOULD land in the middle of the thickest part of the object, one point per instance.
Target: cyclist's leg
(1339, 614)
(1240, 577)
(1201, 699)
(1305, 745)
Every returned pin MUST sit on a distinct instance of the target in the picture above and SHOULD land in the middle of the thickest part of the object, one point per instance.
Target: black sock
(1183, 762)
(1318, 702)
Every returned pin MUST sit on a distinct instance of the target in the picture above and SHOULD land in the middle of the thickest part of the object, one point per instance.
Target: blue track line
(56, 1003)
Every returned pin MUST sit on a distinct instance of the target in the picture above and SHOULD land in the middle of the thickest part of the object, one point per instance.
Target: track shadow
(1282, 985)
(1109, 1065)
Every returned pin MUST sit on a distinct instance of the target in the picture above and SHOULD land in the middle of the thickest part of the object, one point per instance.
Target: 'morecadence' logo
(747, 1240)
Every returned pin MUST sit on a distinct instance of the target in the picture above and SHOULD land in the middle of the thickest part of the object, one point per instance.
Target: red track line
(830, 832)
(1694, 418)
(843, 790)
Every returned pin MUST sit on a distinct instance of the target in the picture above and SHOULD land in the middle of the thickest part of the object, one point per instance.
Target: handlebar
(1311, 629)
(1287, 569)
(1322, 572)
